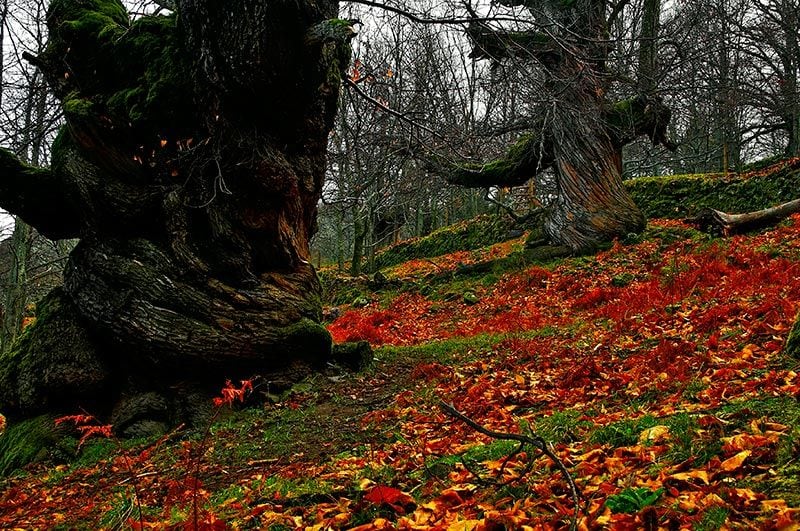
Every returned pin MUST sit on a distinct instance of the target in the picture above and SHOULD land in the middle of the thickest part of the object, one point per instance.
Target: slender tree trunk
(791, 91)
(340, 240)
(359, 235)
(16, 292)
(16, 297)
(648, 47)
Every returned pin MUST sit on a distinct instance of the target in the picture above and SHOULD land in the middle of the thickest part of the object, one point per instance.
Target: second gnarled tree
(580, 133)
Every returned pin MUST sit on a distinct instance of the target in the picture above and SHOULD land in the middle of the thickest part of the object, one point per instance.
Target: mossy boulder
(27, 441)
(680, 196)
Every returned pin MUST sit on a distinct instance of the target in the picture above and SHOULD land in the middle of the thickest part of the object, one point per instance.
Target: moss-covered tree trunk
(190, 167)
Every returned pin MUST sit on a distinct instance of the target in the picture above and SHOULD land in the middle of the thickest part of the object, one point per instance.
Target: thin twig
(535, 441)
(421, 19)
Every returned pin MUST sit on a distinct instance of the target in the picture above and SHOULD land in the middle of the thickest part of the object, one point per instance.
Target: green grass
(713, 519)
(445, 351)
(632, 500)
(624, 432)
(782, 410)
(562, 426)
(685, 442)
(123, 509)
(440, 467)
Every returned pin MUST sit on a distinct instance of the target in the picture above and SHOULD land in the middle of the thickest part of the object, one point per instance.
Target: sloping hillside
(654, 371)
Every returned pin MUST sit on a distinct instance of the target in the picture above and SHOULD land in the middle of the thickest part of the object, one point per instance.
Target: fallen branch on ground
(535, 441)
(716, 222)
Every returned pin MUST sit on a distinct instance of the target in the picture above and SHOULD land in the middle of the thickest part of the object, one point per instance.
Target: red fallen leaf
(398, 500)
(450, 498)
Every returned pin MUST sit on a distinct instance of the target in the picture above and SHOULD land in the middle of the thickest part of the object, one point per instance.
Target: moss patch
(53, 362)
(469, 235)
(677, 196)
(146, 81)
(25, 442)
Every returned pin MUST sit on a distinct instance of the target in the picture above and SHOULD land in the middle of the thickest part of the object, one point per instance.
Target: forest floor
(653, 369)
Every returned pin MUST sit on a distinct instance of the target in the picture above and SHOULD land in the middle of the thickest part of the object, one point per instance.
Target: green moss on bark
(519, 164)
(132, 74)
(53, 364)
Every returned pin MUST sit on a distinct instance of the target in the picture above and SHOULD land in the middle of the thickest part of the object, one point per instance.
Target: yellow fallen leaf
(735, 462)
(654, 434)
(464, 525)
(746, 494)
(711, 500)
(773, 505)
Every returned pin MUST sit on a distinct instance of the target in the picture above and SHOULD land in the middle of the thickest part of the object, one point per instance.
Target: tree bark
(721, 223)
(190, 166)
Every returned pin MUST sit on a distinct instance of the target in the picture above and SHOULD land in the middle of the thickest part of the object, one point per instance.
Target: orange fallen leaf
(394, 498)
(464, 525)
(735, 462)
(773, 505)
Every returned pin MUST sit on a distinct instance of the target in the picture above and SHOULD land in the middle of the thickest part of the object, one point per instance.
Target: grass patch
(713, 519)
(684, 437)
(624, 432)
(782, 410)
(445, 351)
(562, 426)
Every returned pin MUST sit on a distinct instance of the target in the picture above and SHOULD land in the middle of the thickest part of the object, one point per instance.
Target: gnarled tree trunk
(581, 134)
(190, 166)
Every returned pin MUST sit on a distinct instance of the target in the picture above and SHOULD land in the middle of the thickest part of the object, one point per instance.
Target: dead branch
(535, 441)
